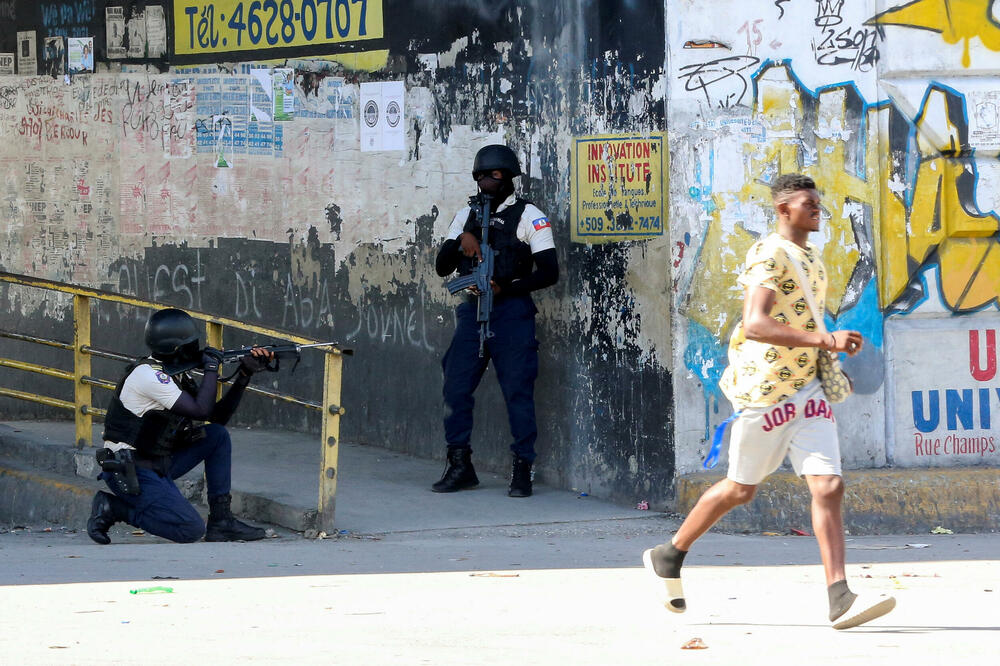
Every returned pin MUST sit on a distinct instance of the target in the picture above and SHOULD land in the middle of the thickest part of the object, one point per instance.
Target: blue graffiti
(69, 19)
(707, 359)
(865, 317)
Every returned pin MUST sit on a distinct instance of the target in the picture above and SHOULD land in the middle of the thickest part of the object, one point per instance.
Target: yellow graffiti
(941, 221)
(780, 111)
(954, 19)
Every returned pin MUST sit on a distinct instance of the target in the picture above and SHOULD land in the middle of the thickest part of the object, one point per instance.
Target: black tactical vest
(513, 259)
(157, 433)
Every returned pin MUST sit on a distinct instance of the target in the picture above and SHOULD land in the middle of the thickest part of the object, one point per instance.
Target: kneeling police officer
(150, 438)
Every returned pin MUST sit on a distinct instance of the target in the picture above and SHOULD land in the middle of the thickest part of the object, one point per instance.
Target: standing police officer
(150, 438)
(521, 236)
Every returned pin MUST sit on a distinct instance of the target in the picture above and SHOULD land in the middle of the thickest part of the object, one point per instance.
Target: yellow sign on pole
(619, 187)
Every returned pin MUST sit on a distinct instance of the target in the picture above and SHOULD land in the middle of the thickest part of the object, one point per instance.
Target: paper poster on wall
(261, 96)
(136, 27)
(619, 187)
(222, 131)
(114, 26)
(283, 85)
(6, 64)
(54, 56)
(80, 54)
(27, 61)
(156, 31)
(383, 118)
(984, 120)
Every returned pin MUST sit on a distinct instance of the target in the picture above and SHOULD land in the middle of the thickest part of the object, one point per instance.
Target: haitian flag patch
(541, 223)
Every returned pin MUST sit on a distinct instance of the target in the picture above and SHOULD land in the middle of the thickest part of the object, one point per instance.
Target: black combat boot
(520, 478)
(105, 511)
(223, 526)
(459, 474)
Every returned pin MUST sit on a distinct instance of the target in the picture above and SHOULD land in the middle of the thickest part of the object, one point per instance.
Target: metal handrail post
(330, 442)
(81, 368)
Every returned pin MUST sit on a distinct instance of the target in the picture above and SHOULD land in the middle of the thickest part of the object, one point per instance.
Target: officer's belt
(161, 465)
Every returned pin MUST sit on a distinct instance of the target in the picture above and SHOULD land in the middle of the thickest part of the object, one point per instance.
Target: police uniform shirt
(533, 229)
(147, 388)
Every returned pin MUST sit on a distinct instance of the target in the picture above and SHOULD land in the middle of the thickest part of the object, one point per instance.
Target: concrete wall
(892, 108)
(113, 179)
(151, 177)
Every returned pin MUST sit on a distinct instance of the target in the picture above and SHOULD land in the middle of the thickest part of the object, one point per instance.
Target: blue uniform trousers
(159, 508)
(514, 353)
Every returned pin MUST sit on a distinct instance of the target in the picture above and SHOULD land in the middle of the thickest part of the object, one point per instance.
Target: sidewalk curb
(30, 496)
(877, 501)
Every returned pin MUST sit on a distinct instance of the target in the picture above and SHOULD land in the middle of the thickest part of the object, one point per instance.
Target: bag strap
(806, 287)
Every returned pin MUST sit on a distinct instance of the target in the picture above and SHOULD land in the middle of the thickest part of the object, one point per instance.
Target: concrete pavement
(415, 577)
(567, 593)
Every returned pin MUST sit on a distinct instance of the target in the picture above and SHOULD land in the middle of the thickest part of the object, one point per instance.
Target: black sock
(667, 560)
(841, 599)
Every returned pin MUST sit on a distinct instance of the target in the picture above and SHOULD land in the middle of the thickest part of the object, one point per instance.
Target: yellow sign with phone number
(222, 26)
(619, 187)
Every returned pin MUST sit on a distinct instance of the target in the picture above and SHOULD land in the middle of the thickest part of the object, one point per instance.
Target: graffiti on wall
(884, 221)
(956, 22)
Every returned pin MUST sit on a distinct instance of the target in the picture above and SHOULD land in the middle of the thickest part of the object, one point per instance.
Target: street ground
(558, 593)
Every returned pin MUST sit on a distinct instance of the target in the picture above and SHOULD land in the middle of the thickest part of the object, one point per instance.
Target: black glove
(211, 358)
(251, 364)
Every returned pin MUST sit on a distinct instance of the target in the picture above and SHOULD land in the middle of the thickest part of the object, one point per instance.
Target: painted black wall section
(604, 402)
(70, 18)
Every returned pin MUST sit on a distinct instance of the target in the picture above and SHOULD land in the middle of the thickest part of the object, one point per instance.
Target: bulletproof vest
(513, 258)
(157, 433)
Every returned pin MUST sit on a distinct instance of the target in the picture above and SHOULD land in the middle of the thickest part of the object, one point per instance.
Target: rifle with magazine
(481, 277)
(279, 351)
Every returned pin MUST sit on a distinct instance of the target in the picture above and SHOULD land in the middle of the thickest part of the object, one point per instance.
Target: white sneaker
(671, 592)
(866, 607)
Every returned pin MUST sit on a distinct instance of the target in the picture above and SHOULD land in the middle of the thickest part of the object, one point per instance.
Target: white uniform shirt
(533, 229)
(146, 389)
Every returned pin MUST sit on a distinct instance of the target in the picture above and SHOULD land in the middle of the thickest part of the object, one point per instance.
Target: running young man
(772, 380)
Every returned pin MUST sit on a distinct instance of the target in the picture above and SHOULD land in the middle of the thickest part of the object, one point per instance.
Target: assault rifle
(279, 351)
(481, 277)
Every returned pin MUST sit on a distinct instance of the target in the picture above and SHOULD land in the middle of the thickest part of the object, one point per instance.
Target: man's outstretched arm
(760, 326)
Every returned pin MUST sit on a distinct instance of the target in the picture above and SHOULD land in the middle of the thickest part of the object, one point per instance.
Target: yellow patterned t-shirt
(759, 373)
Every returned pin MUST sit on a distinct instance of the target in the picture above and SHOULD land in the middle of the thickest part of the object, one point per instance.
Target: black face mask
(498, 189)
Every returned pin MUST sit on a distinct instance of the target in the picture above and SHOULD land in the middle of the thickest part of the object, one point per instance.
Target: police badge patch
(163, 377)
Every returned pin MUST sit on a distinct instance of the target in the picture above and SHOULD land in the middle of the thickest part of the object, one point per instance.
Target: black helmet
(172, 337)
(496, 157)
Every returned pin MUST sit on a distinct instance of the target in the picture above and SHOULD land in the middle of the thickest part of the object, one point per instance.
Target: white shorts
(802, 427)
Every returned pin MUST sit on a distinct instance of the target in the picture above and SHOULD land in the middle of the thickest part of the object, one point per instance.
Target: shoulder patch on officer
(163, 377)
(541, 223)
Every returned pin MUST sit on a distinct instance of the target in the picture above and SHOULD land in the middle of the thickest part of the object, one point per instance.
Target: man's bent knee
(826, 488)
(189, 532)
(738, 493)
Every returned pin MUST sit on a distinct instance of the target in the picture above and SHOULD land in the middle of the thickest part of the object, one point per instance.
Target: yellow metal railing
(83, 381)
